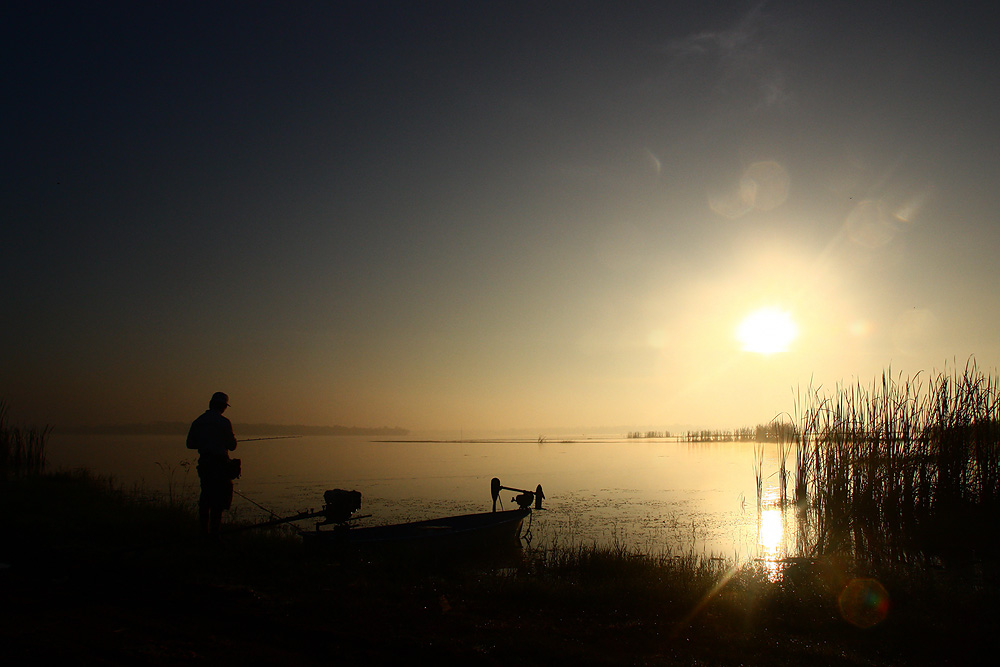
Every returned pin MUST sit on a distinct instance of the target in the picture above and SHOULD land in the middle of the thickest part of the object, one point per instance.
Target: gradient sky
(472, 215)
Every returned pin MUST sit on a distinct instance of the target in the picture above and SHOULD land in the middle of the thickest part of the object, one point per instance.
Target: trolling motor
(523, 500)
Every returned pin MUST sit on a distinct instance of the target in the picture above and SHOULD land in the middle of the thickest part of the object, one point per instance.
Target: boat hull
(478, 532)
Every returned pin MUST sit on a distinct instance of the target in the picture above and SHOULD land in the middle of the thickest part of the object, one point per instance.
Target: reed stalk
(22, 450)
(758, 471)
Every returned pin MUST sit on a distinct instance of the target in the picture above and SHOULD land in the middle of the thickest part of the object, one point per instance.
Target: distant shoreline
(181, 428)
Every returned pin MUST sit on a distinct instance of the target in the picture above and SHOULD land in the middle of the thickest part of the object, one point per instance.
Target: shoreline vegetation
(903, 471)
(896, 486)
(22, 449)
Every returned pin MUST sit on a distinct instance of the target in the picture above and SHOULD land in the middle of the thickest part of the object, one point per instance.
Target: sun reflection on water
(771, 532)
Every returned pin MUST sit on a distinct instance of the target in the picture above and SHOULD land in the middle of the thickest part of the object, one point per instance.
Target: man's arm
(230, 437)
(192, 439)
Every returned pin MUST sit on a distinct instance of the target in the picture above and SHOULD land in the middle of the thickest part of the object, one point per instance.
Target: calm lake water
(655, 494)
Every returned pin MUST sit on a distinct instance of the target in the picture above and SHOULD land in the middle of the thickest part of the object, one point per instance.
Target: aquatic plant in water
(904, 469)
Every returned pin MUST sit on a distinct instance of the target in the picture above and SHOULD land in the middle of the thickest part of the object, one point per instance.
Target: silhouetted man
(212, 435)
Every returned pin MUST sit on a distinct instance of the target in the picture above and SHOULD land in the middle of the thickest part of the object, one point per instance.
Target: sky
(491, 215)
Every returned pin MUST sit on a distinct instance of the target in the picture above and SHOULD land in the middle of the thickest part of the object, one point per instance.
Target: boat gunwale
(486, 526)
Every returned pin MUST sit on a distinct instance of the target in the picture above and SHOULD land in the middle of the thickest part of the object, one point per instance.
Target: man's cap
(219, 398)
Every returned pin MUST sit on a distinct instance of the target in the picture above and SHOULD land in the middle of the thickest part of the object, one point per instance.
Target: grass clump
(22, 450)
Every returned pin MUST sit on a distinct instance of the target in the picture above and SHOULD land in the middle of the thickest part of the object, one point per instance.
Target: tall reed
(797, 431)
(22, 450)
(758, 470)
(906, 468)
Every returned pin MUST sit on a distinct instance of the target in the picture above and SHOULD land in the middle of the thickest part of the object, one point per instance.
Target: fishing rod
(270, 437)
(255, 503)
(275, 520)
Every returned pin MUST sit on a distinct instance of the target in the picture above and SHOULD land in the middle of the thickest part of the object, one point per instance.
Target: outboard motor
(523, 500)
(339, 505)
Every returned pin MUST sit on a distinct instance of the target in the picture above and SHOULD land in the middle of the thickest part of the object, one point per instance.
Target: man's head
(220, 401)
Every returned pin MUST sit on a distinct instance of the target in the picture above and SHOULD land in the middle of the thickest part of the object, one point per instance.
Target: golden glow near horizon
(767, 331)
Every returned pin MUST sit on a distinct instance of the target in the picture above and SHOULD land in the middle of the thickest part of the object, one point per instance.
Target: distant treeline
(771, 432)
(181, 428)
(297, 429)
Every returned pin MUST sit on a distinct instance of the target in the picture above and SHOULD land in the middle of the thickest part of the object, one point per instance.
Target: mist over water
(657, 495)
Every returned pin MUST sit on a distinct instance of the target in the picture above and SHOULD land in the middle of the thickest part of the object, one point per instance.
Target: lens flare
(763, 186)
(864, 602)
(869, 225)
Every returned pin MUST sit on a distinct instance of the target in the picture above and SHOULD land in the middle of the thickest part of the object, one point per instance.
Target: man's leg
(204, 516)
(215, 524)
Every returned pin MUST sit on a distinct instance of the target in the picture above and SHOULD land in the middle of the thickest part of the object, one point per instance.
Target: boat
(464, 533)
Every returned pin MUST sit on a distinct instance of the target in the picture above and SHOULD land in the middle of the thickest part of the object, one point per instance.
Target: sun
(767, 331)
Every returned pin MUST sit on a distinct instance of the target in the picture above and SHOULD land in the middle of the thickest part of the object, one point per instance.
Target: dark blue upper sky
(488, 213)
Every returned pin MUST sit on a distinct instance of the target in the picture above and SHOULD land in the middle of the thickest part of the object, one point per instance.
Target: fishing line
(273, 514)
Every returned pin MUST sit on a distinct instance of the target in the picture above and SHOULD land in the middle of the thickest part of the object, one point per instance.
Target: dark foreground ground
(91, 577)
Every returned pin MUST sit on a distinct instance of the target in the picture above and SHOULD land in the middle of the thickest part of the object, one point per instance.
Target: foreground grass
(98, 575)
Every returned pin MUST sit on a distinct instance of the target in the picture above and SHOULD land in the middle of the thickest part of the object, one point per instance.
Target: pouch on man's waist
(219, 467)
